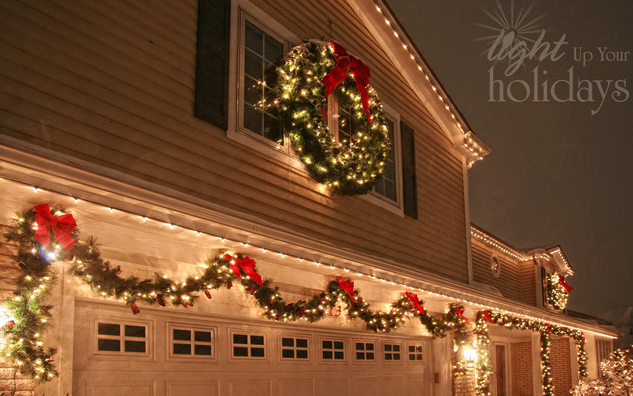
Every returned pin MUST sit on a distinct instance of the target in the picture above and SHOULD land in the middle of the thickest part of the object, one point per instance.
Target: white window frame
(397, 206)
(604, 348)
(171, 326)
(295, 348)
(333, 340)
(366, 342)
(121, 337)
(248, 345)
(240, 11)
(401, 352)
(415, 345)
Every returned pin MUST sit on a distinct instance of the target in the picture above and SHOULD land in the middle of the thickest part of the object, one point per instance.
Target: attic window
(495, 265)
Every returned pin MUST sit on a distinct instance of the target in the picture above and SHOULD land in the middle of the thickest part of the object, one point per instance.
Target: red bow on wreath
(247, 264)
(337, 75)
(348, 287)
(561, 281)
(415, 302)
(460, 313)
(62, 226)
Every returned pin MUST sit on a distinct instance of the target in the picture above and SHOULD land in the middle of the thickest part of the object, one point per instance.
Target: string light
(428, 289)
(479, 152)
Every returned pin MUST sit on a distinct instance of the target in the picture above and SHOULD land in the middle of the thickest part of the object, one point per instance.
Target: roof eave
(394, 40)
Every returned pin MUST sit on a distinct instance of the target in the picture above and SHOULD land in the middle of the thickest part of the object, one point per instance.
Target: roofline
(553, 253)
(385, 27)
(30, 167)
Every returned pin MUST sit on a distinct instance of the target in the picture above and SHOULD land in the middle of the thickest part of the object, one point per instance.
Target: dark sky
(558, 174)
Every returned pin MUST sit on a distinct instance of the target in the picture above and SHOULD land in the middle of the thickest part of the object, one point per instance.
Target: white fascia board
(383, 33)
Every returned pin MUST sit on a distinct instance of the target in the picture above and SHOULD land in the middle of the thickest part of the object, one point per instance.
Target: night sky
(558, 174)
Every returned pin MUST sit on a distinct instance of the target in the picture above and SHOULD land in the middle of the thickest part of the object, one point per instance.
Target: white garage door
(159, 352)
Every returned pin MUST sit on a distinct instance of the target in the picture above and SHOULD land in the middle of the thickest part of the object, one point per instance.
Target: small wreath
(347, 167)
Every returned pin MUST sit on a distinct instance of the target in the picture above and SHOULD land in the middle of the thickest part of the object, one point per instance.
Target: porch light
(469, 354)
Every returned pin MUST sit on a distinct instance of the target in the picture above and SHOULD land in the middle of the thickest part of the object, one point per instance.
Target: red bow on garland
(415, 302)
(348, 287)
(460, 313)
(360, 72)
(62, 226)
(561, 281)
(487, 316)
(247, 264)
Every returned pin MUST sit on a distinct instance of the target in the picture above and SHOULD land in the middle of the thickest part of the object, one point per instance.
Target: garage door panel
(200, 358)
(249, 387)
(393, 386)
(335, 386)
(417, 385)
(366, 386)
(297, 387)
(120, 390)
(193, 388)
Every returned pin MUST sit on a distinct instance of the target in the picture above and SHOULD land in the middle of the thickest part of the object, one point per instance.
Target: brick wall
(464, 385)
(522, 379)
(561, 365)
(12, 383)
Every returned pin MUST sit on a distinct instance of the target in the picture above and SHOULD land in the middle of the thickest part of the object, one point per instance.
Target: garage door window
(365, 351)
(248, 345)
(333, 350)
(415, 353)
(294, 348)
(191, 342)
(121, 338)
(392, 352)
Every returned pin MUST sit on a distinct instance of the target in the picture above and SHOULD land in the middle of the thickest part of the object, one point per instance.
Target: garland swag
(38, 247)
(482, 341)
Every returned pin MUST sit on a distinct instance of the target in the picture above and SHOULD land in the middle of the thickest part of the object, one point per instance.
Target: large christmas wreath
(351, 164)
(558, 291)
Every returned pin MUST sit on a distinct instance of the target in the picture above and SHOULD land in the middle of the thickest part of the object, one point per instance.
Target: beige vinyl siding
(112, 83)
(527, 282)
(516, 280)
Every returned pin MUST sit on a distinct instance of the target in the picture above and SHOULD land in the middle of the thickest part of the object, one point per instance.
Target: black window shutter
(409, 184)
(212, 61)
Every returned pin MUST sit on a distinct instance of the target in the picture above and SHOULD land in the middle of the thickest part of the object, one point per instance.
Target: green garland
(31, 316)
(23, 334)
(347, 168)
(482, 367)
(512, 322)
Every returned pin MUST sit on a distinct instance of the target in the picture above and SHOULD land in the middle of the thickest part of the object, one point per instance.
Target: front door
(501, 370)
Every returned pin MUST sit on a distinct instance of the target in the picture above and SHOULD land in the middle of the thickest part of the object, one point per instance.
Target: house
(155, 126)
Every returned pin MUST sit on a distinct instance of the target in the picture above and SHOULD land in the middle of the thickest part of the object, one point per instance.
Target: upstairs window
(261, 55)
(387, 186)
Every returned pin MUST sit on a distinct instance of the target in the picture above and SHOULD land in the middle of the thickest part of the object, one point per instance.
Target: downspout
(469, 250)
